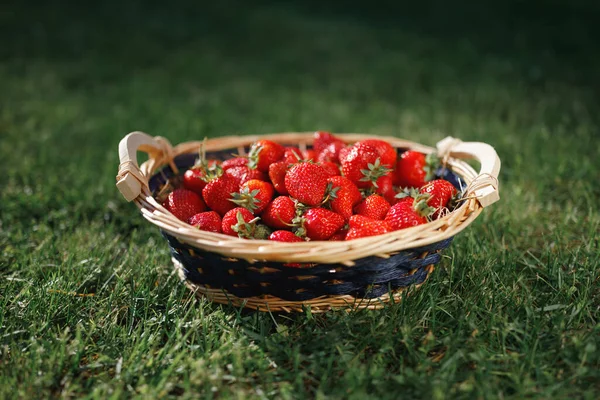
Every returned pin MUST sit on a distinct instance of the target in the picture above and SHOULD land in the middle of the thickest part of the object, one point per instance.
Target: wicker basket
(361, 273)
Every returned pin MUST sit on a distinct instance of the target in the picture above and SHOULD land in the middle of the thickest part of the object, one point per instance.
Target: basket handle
(485, 185)
(130, 178)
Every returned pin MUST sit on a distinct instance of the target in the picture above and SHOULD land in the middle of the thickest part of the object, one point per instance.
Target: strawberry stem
(210, 172)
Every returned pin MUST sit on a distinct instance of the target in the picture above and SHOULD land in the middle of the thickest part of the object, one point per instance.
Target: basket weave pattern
(361, 273)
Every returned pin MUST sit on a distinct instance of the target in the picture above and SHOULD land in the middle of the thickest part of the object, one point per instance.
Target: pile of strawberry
(333, 191)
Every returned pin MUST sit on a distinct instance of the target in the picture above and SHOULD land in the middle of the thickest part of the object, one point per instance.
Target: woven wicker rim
(482, 190)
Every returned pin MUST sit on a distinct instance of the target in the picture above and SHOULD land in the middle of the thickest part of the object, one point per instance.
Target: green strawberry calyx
(300, 208)
(330, 194)
(246, 198)
(245, 230)
(297, 225)
(419, 201)
(209, 172)
(421, 207)
(432, 163)
(408, 192)
(253, 156)
(374, 171)
(262, 232)
(299, 221)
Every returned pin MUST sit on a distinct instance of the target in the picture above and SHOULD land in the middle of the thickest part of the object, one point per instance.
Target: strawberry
(363, 166)
(339, 235)
(239, 222)
(284, 236)
(193, 179)
(184, 203)
(254, 174)
(441, 192)
(306, 182)
(387, 154)
(321, 140)
(218, 192)
(206, 221)
(309, 155)
(343, 153)
(344, 195)
(277, 173)
(409, 212)
(201, 172)
(319, 223)
(254, 195)
(374, 207)
(279, 213)
(384, 187)
(331, 168)
(264, 153)
(361, 226)
(292, 155)
(331, 152)
(243, 174)
(234, 162)
(413, 169)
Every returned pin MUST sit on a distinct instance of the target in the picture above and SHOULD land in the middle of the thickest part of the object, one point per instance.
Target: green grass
(512, 311)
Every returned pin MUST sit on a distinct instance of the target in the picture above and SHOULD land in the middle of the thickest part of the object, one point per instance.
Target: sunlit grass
(88, 300)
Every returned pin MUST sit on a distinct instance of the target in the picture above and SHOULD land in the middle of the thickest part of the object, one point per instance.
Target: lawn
(89, 306)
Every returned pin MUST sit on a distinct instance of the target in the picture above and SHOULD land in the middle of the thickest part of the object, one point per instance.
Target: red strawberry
(306, 182)
(207, 221)
(264, 153)
(234, 162)
(361, 226)
(362, 165)
(200, 173)
(339, 235)
(374, 207)
(322, 140)
(331, 152)
(319, 223)
(218, 192)
(279, 213)
(408, 212)
(184, 203)
(331, 168)
(239, 222)
(277, 173)
(193, 179)
(309, 154)
(385, 188)
(243, 174)
(344, 195)
(343, 154)
(413, 169)
(441, 192)
(387, 154)
(284, 236)
(254, 195)
(292, 155)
